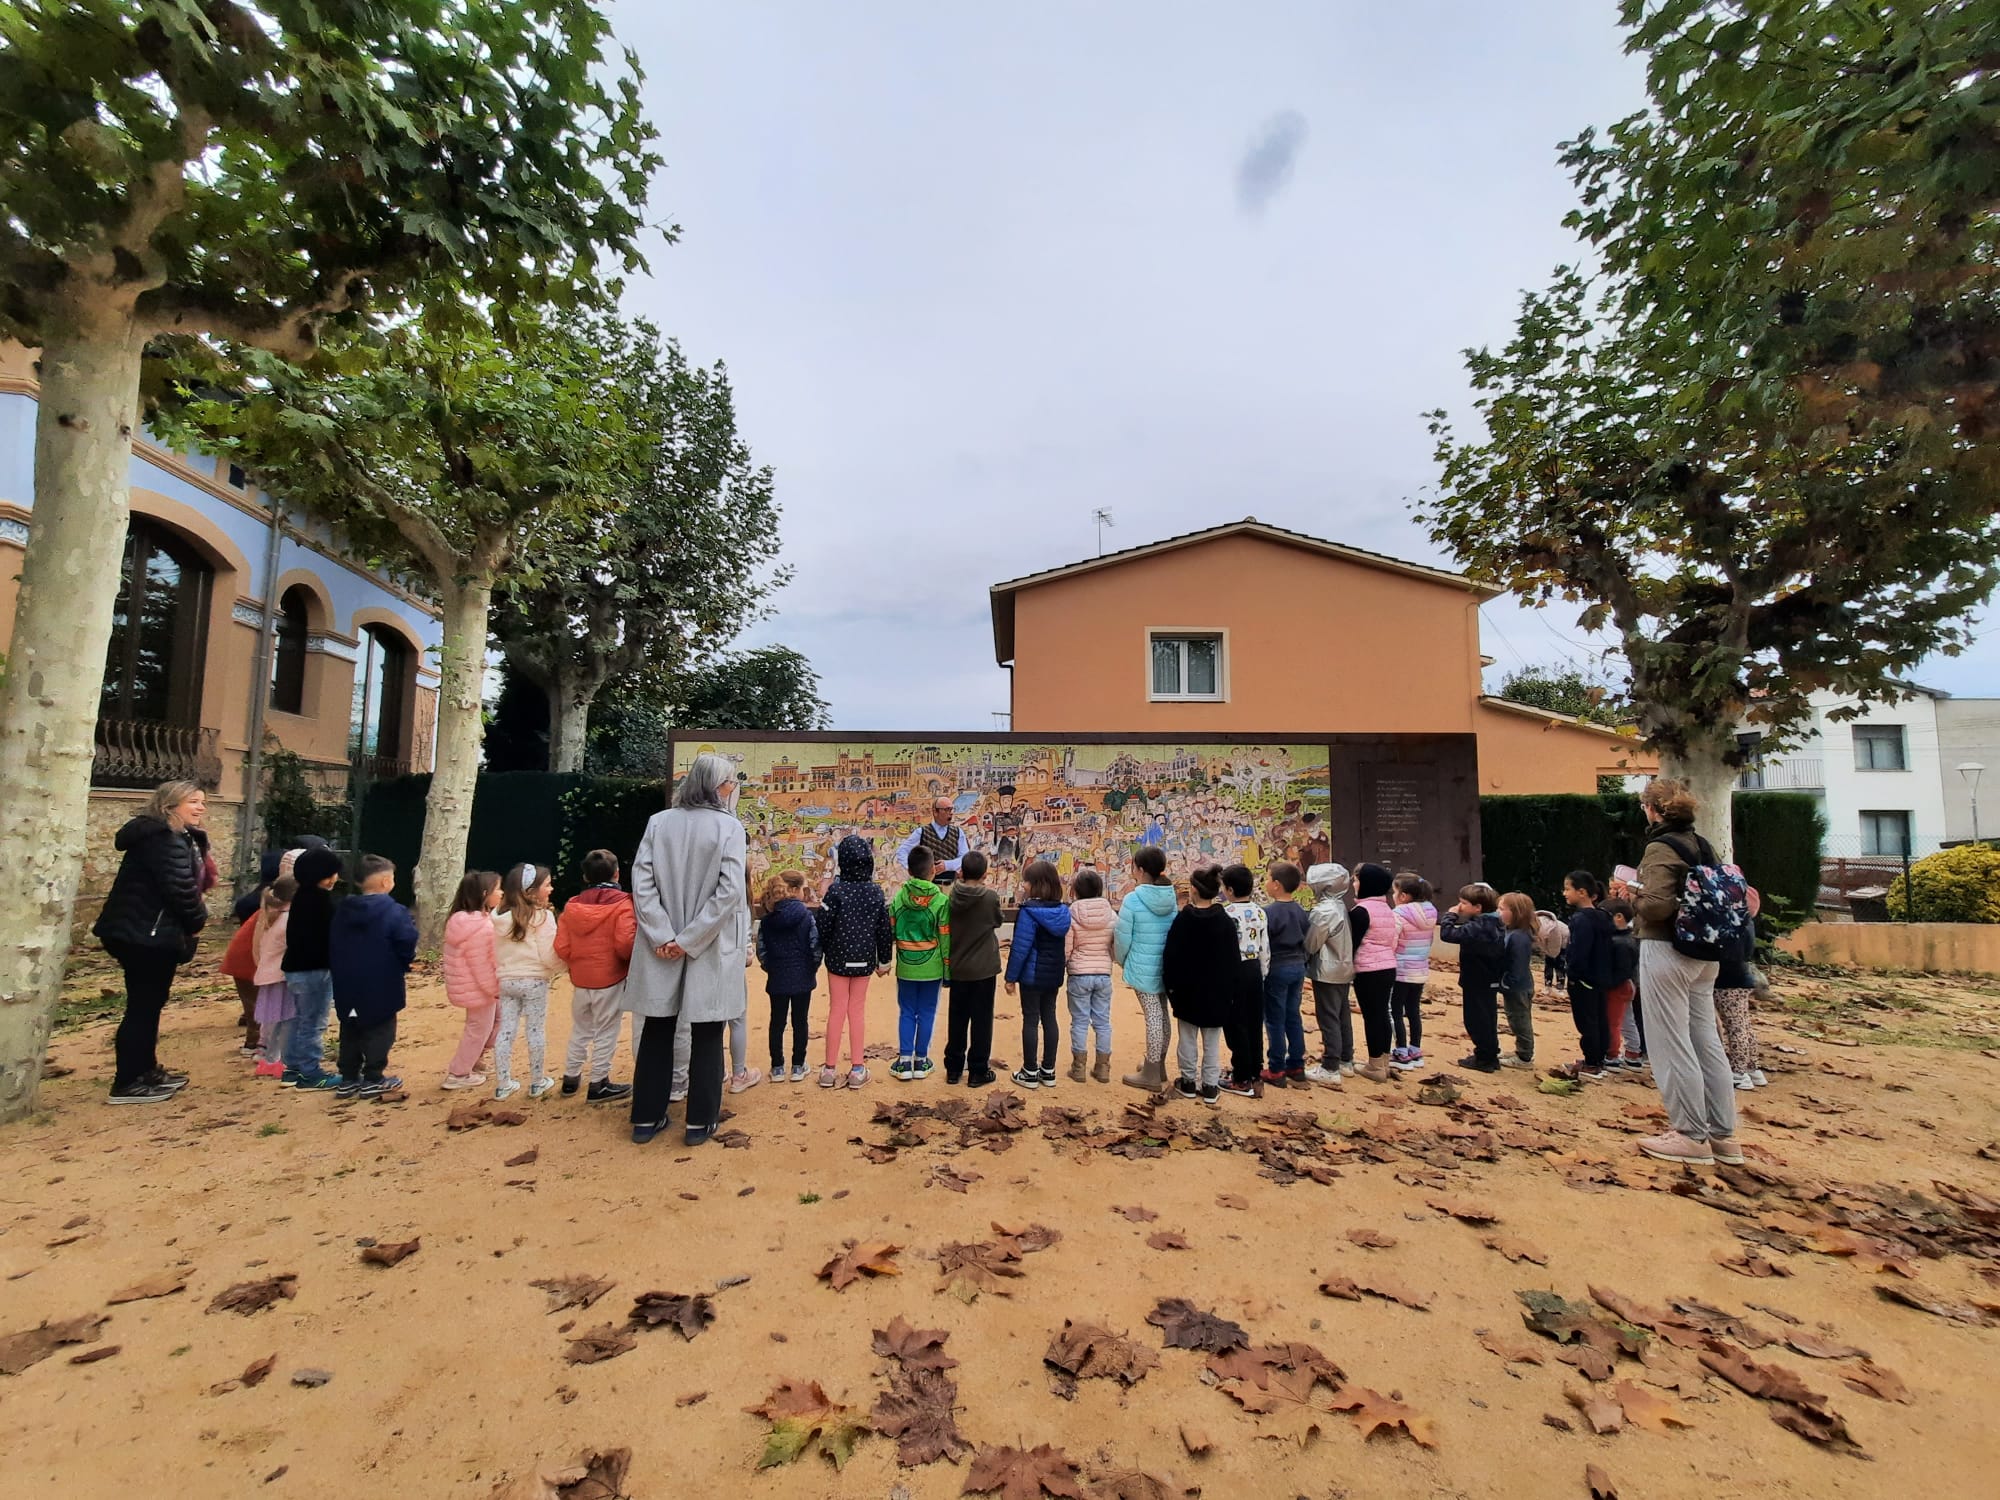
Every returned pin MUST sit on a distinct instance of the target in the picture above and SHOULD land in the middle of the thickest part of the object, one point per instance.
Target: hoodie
(1092, 927)
(1041, 934)
(975, 931)
(595, 937)
(312, 912)
(1416, 925)
(855, 930)
(155, 902)
(922, 923)
(1286, 920)
(788, 948)
(1373, 920)
(371, 945)
(1329, 940)
(1141, 940)
(1200, 965)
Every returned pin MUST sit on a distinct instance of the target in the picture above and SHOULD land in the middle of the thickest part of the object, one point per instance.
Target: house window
(1184, 666)
(1879, 747)
(382, 680)
(159, 630)
(288, 665)
(1885, 833)
(237, 478)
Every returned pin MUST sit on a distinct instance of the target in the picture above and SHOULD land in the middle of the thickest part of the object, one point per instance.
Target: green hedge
(517, 815)
(1530, 843)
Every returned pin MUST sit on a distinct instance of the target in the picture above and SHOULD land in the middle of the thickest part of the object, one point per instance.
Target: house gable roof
(1002, 594)
(1550, 717)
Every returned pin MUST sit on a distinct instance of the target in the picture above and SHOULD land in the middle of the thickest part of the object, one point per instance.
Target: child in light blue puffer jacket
(1141, 943)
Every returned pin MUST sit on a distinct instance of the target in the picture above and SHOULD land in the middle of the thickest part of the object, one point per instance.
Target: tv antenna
(1102, 516)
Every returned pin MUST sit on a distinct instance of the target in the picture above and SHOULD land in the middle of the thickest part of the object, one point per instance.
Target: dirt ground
(448, 1371)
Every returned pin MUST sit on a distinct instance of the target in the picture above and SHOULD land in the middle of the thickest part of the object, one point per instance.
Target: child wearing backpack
(922, 923)
(858, 938)
(1330, 956)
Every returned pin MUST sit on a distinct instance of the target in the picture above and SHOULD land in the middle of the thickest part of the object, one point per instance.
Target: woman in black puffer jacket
(149, 924)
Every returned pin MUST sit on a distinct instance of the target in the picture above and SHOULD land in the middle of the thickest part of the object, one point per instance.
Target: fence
(145, 752)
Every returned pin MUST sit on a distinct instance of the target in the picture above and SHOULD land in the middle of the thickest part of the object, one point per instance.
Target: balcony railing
(1789, 773)
(373, 768)
(143, 753)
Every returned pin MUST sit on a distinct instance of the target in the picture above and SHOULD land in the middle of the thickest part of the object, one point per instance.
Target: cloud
(1267, 165)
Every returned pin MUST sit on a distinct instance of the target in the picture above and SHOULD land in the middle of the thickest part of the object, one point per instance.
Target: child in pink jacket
(472, 973)
(272, 1008)
(1087, 955)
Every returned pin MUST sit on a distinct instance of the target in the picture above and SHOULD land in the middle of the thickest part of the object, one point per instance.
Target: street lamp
(1970, 771)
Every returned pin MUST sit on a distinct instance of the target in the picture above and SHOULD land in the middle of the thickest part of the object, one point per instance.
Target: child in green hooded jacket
(921, 914)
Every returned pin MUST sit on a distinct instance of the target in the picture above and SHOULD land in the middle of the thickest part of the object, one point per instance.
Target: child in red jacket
(595, 940)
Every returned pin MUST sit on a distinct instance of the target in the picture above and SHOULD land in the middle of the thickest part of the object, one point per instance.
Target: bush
(1953, 885)
(289, 808)
(1779, 836)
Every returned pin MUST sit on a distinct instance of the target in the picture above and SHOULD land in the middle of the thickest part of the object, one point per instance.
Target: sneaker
(541, 1088)
(1635, 1060)
(984, 1078)
(1509, 1061)
(317, 1083)
(901, 1070)
(270, 1070)
(468, 1081)
(952, 1076)
(1725, 1150)
(1757, 1077)
(571, 1083)
(347, 1088)
(604, 1091)
(1241, 1090)
(1272, 1079)
(1673, 1146)
(641, 1134)
(923, 1067)
(248, 1054)
(1594, 1075)
(1028, 1078)
(375, 1088)
(288, 1078)
(139, 1092)
(1478, 1064)
(829, 1078)
(1185, 1087)
(1743, 1083)
(1048, 1077)
(1211, 1093)
(678, 1096)
(699, 1135)
(745, 1079)
(507, 1088)
(856, 1076)
(163, 1079)
(798, 1073)
(1320, 1075)
(1347, 1069)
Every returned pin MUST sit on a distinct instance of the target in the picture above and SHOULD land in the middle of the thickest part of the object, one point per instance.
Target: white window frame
(1902, 747)
(1909, 832)
(1218, 634)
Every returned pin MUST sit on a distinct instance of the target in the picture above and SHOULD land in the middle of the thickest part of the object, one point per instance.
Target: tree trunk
(448, 808)
(569, 720)
(55, 674)
(1713, 782)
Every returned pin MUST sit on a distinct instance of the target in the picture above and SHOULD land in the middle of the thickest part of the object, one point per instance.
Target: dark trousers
(149, 978)
(1038, 1009)
(1245, 1031)
(1371, 993)
(1284, 1028)
(1555, 973)
(364, 1048)
(968, 1026)
(1406, 1001)
(1482, 1023)
(798, 1007)
(1586, 1008)
(1333, 1009)
(653, 1071)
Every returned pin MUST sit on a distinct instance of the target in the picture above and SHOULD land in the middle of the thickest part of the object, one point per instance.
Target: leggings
(480, 1023)
(847, 1006)
(1154, 1009)
(524, 1005)
(1732, 1015)
(1406, 998)
(1372, 989)
(1038, 1010)
(797, 1007)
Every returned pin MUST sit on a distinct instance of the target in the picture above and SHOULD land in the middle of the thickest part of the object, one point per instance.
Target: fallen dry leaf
(1167, 1239)
(1599, 1483)
(919, 1410)
(1568, 1322)
(802, 1417)
(1186, 1326)
(1375, 1413)
(690, 1314)
(858, 1259)
(1604, 1415)
(1815, 1426)
(951, 1178)
(692, 1398)
(1023, 1474)
(163, 1285)
(1134, 1484)
(1872, 1379)
(1465, 1210)
(1287, 1398)
(591, 1475)
(526, 1159)
(92, 1356)
(247, 1297)
(1644, 1409)
(311, 1379)
(1372, 1239)
(1514, 1248)
(1195, 1441)
(389, 1255)
(1958, 1312)
(914, 1348)
(1352, 1290)
(595, 1345)
(1750, 1263)
(573, 1291)
(254, 1373)
(1087, 1351)
(1769, 1382)
(1231, 1200)
(1814, 1347)
(1136, 1214)
(1513, 1353)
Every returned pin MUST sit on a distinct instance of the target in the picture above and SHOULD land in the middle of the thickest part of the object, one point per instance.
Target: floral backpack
(1715, 903)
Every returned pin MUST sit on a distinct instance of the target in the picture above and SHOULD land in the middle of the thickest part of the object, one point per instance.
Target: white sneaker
(507, 1088)
(1744, 1082)
(749, 1078)
(542, 1086)
(677, 1096)
(1757, 1077)
(469, 1081)
(1347, 1070)
(1317, 1074)
(798, 1073)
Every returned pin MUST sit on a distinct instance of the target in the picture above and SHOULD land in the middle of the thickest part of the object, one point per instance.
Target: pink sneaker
(270, 1070)
(1675, 1147)
(1725, 1150)
(747, 1078)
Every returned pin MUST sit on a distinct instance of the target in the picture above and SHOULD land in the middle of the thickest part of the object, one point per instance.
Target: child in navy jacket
(1035, 964)
(371, 944)
(788, 948)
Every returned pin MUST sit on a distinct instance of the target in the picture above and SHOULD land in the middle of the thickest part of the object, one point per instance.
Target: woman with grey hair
(689, 890)
(149, 924)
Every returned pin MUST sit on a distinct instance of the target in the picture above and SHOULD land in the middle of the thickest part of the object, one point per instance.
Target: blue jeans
(916, 1014)
(312, 999)
(1089, 1010)
(1284, 1029)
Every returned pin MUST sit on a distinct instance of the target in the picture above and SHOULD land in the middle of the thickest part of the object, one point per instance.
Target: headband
(527, 877)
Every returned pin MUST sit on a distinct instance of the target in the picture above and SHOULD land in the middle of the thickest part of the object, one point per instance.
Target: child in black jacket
(858, 939)
(1200, 971)
(1588, 960)
(1482, 969)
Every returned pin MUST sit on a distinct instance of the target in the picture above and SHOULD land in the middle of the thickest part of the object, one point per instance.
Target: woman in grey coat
(688, 887)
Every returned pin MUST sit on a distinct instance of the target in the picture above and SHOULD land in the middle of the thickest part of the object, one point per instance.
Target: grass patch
(808, 1197)
(271, 1129)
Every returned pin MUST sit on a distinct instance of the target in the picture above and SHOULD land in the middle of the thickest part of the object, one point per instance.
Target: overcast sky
(977, 271)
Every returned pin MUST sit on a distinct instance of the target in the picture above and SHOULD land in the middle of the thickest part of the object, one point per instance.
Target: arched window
(288, 665)
(384, 680)
(159, 630)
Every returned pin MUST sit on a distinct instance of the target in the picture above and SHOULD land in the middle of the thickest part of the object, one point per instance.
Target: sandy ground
(448, 1375)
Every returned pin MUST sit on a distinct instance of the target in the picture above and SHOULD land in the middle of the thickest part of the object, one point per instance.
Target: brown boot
(1152, 1076)
(1102, 1072)
(1375, 1070)
(1076, 1066)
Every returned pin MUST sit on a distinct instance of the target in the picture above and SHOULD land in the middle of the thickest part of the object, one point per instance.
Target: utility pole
(1102, 516)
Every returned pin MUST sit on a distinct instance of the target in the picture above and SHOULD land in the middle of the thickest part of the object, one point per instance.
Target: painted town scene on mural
(1059, 752)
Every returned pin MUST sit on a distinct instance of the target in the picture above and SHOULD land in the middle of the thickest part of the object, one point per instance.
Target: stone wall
(110, 811)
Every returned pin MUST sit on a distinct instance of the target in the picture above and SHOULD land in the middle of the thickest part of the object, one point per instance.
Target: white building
(1969, 755)
(1879, 777)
